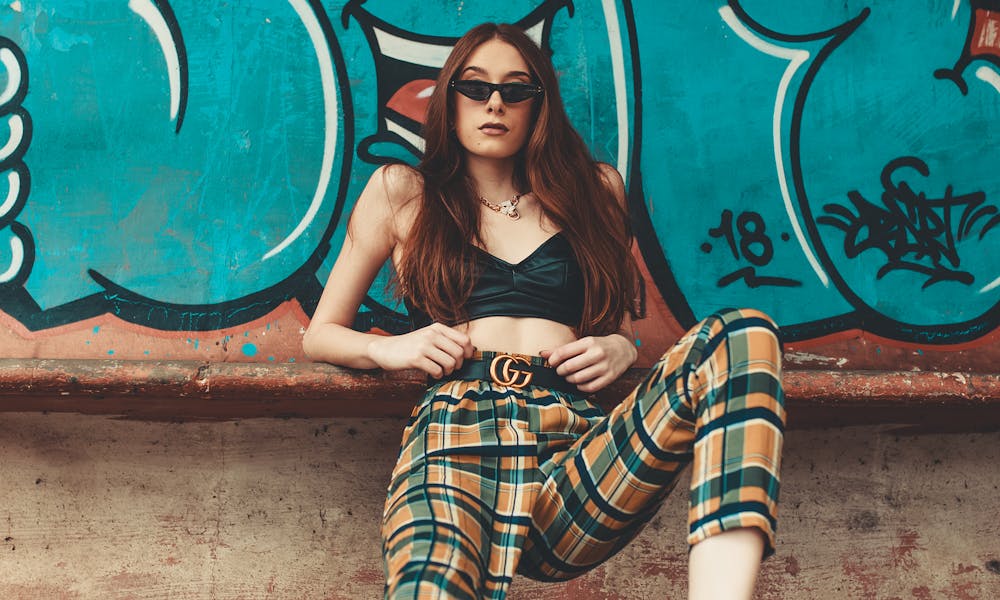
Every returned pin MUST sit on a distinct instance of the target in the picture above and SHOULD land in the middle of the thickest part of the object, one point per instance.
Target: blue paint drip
(97, 329)
(110, 352)
(249, 349)
(270, 358)
(638, 342)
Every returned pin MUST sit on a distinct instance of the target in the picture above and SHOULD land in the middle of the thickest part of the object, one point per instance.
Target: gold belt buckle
(508, 376)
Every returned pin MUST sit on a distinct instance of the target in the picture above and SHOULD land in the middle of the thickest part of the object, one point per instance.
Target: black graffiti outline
(174, 27)
(301, 285)
(642, 222)
(956, 74)
(14, 162)
(863, 316)
(652, 251)
(908, 230)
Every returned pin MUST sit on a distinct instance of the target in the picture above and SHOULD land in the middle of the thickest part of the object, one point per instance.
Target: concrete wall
(94, 507)
(175, 174)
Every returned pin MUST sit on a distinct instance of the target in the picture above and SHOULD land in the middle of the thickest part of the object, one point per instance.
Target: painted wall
(175, 175)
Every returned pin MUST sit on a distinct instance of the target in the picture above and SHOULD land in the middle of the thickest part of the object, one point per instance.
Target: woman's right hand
(437, 350)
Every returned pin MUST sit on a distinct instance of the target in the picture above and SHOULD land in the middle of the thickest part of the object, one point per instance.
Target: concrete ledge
(191, 390)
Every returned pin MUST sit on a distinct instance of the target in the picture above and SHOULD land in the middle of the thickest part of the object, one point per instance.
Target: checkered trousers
(493, 480)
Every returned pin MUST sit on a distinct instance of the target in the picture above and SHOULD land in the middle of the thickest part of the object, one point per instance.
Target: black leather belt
(511, 370)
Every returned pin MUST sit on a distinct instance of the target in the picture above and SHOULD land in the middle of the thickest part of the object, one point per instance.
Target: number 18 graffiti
(750, 242)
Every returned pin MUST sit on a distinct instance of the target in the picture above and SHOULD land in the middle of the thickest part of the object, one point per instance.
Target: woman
(513, 255)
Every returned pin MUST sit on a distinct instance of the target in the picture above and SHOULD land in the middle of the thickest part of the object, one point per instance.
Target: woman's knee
(761, 330)
(748, 316)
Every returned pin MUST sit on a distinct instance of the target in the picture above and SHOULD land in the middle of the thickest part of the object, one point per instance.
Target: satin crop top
(547, 284)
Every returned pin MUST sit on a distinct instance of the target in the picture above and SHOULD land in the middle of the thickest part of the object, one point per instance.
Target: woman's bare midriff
(520, 335)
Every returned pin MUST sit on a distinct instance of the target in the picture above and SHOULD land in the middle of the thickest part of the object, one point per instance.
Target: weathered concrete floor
(93, 507)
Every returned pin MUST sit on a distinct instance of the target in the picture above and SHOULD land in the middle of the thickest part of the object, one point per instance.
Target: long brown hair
(437, 271)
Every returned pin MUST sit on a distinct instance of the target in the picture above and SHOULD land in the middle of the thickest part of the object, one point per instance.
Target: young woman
(512, 250)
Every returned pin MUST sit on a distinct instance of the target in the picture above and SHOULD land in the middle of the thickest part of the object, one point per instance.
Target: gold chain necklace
(507, 207)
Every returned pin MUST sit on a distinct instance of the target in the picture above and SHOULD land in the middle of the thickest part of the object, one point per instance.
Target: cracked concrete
(96, 507)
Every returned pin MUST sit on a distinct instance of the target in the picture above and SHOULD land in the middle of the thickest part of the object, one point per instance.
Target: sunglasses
(510, 92)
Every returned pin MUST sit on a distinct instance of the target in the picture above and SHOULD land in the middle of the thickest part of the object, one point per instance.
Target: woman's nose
(495, 102)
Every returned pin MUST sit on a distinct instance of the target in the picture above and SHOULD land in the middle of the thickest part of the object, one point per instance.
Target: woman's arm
(593, 362)
(372, 234)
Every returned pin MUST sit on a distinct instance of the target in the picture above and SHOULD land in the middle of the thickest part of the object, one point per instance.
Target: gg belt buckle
(508, 376)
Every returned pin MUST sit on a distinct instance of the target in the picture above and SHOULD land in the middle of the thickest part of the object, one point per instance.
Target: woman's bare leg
(725, 566)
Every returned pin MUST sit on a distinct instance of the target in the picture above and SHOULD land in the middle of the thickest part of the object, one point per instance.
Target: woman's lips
(493, 128)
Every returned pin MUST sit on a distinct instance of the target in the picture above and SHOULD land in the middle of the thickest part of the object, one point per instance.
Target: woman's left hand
(593, 362)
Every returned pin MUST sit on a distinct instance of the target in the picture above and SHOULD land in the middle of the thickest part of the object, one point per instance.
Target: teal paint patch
(249, 349)
(64, 41)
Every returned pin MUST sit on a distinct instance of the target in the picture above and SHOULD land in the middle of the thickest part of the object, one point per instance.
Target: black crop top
(547, 284)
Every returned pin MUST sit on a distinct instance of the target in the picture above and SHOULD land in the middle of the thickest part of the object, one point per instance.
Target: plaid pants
(493, 480)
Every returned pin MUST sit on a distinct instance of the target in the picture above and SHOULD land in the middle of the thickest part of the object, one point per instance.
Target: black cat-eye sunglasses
(510, 93)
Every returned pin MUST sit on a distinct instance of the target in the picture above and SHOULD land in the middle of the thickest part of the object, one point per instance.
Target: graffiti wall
(175, 176)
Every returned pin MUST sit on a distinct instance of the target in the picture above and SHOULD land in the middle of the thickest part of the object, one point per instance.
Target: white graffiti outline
(990, 76)
(330, 107)
(15, 122)
(13, 69)
(152, 16)
(618, 71)
(16, 125)
(418, 53)
(13, 189)
(16, 259)
(795, 58)
(414, 139)
(990, 286)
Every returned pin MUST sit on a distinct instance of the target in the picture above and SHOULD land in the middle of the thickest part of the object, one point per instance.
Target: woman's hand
(436, 350)
(593, 362)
